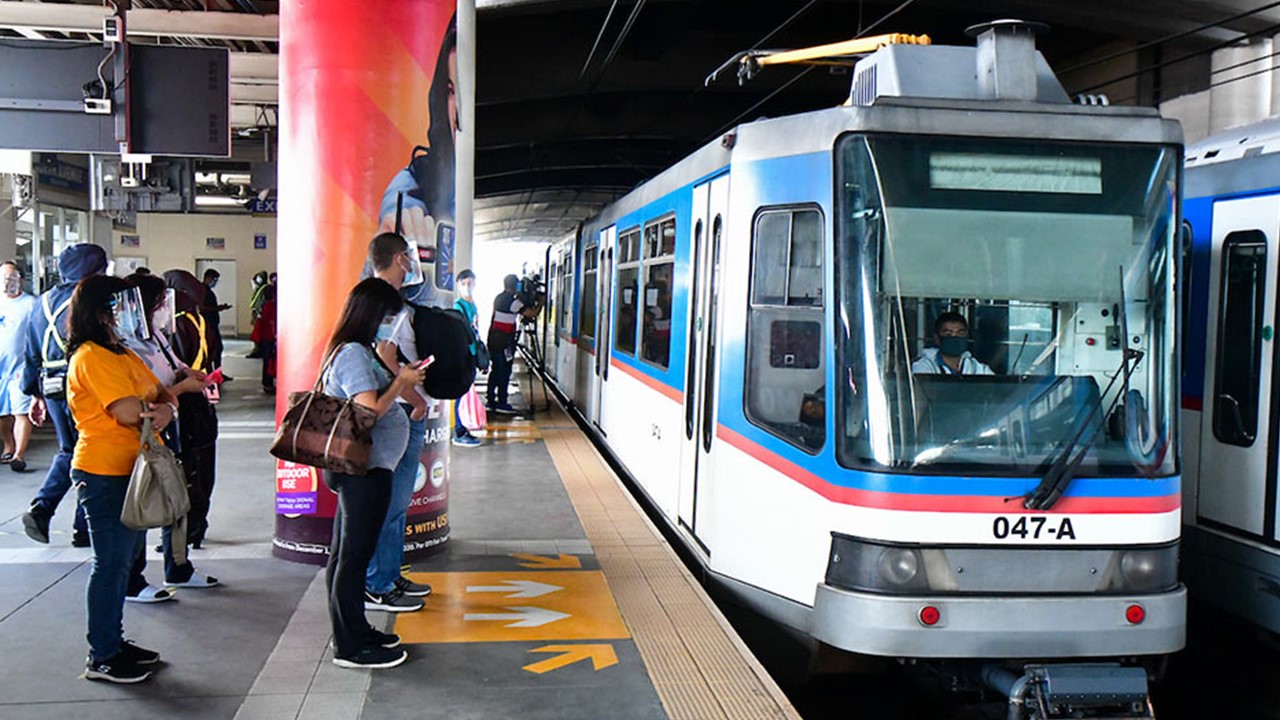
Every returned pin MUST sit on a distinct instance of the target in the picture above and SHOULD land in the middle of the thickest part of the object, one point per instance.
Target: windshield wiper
(1064, 467)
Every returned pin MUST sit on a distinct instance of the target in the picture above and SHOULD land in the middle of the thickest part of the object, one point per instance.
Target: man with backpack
(44, 373)
(385, 588)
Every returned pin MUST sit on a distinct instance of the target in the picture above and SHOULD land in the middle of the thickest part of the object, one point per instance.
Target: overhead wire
(1168, 38)
(1181, 58)
(626, 30)
(596, 45)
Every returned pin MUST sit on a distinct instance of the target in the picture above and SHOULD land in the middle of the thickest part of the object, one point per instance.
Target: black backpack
(446, 335)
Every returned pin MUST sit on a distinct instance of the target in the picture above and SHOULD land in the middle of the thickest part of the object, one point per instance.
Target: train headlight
(1143, 570)
(875, 567)
(899, 566)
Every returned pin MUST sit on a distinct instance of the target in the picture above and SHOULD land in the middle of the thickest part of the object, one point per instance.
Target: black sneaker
(130, 653)
(392, 601)
(372, 658)
(36, 522)
(411, 588)
(116, 670)
(386, 640)
(80, 538)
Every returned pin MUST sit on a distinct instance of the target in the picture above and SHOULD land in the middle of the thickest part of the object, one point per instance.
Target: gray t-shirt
(355, 370)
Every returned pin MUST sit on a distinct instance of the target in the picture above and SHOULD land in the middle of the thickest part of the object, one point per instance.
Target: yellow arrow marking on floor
(547, 563)
(601, 656)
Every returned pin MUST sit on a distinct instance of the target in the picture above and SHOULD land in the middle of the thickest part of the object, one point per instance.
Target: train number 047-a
(1033, 528)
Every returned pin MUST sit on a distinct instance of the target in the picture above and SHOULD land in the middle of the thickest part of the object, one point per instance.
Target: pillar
(360, 81)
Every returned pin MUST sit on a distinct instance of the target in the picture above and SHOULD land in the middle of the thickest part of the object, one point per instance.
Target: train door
(549, 327)
(710, 201)
(603, 326)
(1237, 471)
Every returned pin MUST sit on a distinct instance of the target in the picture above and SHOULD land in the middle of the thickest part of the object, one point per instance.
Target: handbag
(157, 493)
(471, 411)
(482, 356)
(326, 432)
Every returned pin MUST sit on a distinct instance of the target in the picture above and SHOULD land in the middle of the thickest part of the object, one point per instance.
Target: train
(1228, 247)
(743, 336)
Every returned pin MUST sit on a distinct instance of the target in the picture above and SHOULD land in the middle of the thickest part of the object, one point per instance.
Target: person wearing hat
(44, 370)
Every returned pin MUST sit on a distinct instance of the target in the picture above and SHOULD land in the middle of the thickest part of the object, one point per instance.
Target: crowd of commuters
(98, 355)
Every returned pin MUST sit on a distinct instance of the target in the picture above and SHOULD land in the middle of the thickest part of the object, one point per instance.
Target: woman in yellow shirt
(110, 392)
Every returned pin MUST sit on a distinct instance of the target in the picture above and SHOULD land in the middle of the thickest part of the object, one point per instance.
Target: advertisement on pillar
(368, 123)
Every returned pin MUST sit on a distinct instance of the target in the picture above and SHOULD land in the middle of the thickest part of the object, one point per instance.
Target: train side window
(786, 361)
(587, 304)
(564, 322)
(1242, 316)
(624, 332)
(659, 267)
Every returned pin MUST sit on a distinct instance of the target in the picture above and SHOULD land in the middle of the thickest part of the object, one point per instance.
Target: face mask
(161, 320)
(412, 268)
(465, 288)
(127, 314)
(953, 346)
(386, 329)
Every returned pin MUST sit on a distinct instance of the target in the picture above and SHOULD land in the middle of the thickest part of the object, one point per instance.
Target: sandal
(150, 594)
(197, 580)
(6, 458)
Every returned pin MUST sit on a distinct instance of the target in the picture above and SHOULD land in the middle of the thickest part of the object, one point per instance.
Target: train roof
(1245, 141)
(1239, 160)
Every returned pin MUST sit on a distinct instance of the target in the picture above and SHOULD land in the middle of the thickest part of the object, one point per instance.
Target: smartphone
(213, 377)
(425, 362)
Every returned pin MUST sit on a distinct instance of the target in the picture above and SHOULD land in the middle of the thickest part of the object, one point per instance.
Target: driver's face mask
(127, 315)
(953, 346)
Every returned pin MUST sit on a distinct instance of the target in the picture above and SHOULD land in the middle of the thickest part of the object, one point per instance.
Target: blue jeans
(114, 548)
(58, 480)
(384, 566)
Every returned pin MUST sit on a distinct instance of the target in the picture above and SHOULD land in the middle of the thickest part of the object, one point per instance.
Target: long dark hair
(89, 316)
(370, 301)
(434, 171)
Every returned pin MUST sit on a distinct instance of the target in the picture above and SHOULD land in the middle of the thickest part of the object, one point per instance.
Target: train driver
(951, 356)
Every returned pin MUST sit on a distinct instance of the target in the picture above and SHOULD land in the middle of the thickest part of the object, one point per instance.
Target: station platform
(556, 598)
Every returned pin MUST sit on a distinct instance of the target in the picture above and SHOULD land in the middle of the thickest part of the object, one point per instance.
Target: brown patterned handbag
(325, 431)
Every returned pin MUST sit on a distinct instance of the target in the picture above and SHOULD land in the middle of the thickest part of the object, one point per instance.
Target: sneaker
(377, 638)
(80, 538)
(411, 588)
(386, 640)
(115, 669)
(36, 522)
(150, 594)
(372, 658)
(197, 580)
(466, 441)
(130, 653)
(18, 465)
(503, 409)
(392, 601)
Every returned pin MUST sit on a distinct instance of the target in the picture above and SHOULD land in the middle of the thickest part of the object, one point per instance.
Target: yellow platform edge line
(598, 495)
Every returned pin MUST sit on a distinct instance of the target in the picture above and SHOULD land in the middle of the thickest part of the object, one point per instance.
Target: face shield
(164, 316)
(127, 313)
(412, 265)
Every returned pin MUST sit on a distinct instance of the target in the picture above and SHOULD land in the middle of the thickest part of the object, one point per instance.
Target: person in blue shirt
(951, 356)
(44, 369)
(466, 285)
(15, 405)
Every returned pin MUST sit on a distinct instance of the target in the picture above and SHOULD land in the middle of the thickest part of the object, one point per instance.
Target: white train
(739, 334)
(1230, 418)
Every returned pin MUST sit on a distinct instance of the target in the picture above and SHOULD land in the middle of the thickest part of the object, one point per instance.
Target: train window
(1241, 336)
(629, 246)
(624, 337)
(659, 267)
(587, 313)
(565, 293)
(786, 362)
(788, 258)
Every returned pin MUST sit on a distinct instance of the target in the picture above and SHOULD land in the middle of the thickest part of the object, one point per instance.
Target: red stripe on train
(943, 503)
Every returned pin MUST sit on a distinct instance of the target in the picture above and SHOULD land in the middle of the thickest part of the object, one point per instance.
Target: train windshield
(1004, 304)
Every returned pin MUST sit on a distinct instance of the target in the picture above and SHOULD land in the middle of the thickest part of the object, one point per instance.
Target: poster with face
(368, 121)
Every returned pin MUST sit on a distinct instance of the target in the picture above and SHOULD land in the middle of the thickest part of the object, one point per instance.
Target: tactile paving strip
(699, 667)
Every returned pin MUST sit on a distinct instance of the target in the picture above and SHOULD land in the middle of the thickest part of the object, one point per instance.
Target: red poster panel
(367, 125)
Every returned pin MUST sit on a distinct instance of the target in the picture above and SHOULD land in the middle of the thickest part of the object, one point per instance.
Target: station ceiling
(578, 101)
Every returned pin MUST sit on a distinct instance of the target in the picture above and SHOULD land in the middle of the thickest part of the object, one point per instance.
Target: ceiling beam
(144, 22)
